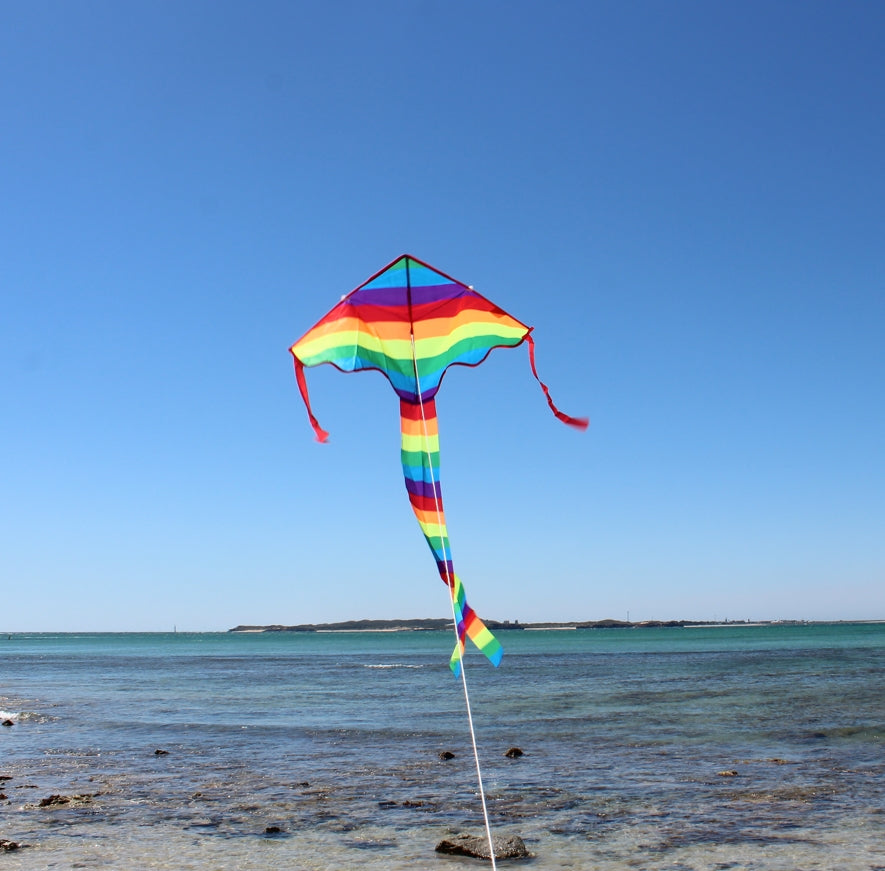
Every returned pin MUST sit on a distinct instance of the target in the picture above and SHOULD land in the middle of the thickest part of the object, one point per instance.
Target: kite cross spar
(411, 322)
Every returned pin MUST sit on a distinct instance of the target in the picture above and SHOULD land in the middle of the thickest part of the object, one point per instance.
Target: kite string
(450, 582)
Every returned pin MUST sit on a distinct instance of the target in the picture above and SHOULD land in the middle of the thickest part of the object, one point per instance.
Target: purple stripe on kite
(410, 396)
(396, 296)
(420, 488)
(438, 293)
(446, 568)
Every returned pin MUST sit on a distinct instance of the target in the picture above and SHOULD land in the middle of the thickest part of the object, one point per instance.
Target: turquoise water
(335, 739)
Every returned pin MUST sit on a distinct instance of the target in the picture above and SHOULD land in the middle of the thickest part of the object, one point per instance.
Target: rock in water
(53, 800)
(510, 847)
(514, 753)
(10, 846)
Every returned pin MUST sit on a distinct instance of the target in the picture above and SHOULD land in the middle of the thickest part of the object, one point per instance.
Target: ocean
(729, 747)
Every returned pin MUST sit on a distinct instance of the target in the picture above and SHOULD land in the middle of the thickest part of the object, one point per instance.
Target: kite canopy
(411, 322)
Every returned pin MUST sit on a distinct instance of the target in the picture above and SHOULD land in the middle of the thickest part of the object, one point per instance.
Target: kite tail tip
(321, 435)
(578, 422)
(455, 660)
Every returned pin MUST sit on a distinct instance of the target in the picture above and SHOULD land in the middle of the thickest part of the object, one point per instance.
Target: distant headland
(494, 625)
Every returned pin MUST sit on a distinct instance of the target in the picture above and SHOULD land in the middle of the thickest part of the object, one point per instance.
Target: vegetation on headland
(494, 625)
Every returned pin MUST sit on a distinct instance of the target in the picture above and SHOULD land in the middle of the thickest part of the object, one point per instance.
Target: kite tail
(471, 626)
(321, 434)
(420, 457)
(579, 422)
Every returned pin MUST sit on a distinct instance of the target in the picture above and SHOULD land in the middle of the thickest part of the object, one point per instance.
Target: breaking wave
(393, 665)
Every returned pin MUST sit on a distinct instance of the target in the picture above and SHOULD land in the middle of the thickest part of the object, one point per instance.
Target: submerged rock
(8, 723)
(513, 753)
(728, 773)
(446, 755)
(161, 752)
(509, 847)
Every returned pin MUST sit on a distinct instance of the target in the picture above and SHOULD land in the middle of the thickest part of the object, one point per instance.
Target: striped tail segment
(469, 624)
(420, 458)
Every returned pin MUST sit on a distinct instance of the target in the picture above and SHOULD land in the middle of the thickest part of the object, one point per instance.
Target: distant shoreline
(436, 625)
(431, 625)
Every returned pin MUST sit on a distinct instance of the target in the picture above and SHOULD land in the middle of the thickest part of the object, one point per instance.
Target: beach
(748, 747)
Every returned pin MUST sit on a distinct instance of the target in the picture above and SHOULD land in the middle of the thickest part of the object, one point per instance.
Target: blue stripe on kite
(421, 473)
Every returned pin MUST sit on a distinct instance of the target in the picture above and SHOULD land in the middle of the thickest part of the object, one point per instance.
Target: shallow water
(334, 739)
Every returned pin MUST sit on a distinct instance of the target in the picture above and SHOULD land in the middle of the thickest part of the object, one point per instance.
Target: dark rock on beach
(10, 846)
(510, 847)
(57, 800)
(514, 753)
(273, 830)
(53, 800)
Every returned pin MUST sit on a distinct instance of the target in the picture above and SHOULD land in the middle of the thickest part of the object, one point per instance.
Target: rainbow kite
(411, 322)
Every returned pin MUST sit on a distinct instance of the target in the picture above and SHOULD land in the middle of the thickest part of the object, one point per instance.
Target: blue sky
(686, 200)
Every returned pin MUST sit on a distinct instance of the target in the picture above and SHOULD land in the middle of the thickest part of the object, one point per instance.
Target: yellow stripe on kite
(417, 443)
